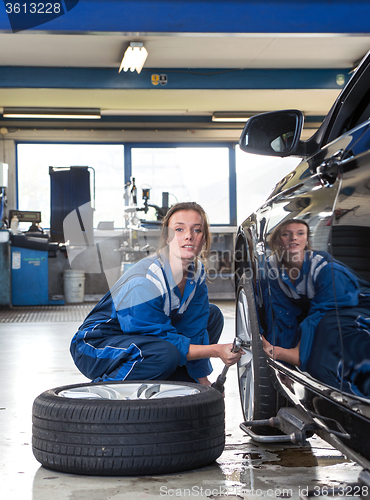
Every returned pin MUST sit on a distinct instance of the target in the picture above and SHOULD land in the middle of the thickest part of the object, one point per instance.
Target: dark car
(329, 193)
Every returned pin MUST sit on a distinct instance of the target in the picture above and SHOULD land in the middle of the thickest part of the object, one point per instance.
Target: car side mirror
(273, 134)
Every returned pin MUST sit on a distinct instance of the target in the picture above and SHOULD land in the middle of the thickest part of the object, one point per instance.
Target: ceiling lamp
(53, 113)
(134, 57)
(231, 116)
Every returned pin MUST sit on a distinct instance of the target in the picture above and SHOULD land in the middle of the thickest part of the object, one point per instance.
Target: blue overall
(308, 312)
(142, 328)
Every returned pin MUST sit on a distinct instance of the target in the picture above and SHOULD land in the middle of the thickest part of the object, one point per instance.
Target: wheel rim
(245, 365)
(129, 391)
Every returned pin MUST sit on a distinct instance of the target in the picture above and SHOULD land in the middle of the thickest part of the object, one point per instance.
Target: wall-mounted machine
(28, 216)
(30, 252)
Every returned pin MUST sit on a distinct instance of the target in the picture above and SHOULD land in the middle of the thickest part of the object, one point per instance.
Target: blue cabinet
(29, 277)
(30, 271)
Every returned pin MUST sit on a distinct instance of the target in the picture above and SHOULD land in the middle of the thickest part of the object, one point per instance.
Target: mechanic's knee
(169, 359)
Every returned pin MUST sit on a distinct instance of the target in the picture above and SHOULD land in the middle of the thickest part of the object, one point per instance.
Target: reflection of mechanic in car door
(303, 325)
(156, 321)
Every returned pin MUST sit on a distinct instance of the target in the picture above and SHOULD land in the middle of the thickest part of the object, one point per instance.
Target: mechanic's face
(294, 239)
(186, 235)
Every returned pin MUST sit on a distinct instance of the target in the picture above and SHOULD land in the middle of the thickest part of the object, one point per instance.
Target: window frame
(129, 146)
(127, 163)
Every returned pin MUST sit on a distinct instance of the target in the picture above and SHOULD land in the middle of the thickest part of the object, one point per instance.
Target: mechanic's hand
(227, 356)
(268, 348)
(204, 381)
(280, 353)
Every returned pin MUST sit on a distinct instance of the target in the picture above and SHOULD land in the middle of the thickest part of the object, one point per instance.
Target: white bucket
(74, 286)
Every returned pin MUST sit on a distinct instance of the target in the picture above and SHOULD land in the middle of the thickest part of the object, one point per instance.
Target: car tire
(127, 437)
(259, 398)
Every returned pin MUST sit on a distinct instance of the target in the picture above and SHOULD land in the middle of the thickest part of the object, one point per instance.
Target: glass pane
(187, 174)
(34, 181)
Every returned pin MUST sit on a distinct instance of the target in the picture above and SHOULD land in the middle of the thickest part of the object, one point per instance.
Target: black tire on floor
(128, 437)
(259, 398)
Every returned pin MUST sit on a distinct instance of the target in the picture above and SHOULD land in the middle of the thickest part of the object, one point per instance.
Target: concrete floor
(35, 357)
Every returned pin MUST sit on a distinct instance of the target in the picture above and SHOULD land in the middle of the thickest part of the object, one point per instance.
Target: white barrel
(74, 286)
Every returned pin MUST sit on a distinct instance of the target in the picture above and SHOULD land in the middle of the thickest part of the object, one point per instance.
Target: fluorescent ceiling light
(69, 113)
(134, 57)
(232, 116)
(151, 112)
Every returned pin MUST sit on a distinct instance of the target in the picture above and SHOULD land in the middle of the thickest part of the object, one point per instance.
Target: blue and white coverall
(142, 328)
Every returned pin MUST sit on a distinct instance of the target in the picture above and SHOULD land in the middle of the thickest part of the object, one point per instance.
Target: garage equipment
(30, 252)
(4, 267)
(4, 240)
(69, 190)
(221, 379)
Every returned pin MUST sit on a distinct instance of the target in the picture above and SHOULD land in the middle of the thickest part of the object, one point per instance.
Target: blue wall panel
(205, 16)
(89, 78)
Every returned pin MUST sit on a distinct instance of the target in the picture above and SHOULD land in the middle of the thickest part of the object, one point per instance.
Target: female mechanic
(156, 321)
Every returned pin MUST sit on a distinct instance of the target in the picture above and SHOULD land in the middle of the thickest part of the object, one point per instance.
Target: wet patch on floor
(305, 458)
(292, 457)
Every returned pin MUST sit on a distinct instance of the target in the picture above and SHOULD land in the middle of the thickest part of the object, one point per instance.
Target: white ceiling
(244, 51)
(185, 50)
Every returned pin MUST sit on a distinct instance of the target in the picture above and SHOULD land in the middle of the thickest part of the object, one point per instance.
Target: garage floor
(34, 356)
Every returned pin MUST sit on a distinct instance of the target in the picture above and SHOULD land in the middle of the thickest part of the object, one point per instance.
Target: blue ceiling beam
(93, 78)
(194, 16)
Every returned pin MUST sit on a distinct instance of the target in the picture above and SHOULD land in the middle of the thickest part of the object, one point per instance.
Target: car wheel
(128, 428)
(259, 399)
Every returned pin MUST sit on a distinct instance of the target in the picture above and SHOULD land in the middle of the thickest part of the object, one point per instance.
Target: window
(34, 181)
(198, 174)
